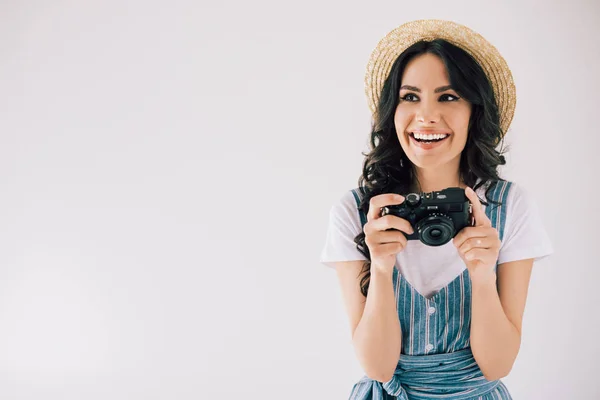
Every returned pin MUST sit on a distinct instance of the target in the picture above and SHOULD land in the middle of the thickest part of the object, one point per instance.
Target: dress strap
(357, 197)
(497, 213)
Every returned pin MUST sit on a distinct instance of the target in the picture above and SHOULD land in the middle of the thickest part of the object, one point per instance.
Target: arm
(376, 334)
(497, 314)
(374, 321)
(377, 338)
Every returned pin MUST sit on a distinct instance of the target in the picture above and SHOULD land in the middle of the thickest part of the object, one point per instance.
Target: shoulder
(520, 208)
(346, 206)
(525, 233)
(351, 197)
(497, 189)
(518, 197)
(348, 201)
(505, 191)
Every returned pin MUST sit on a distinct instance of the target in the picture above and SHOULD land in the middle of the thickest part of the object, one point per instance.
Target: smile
(427, 142)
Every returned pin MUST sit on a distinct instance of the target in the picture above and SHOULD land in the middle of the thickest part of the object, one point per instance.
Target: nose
(427, 113)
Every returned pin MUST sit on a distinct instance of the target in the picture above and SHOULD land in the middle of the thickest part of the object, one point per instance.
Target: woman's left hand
(478, 245)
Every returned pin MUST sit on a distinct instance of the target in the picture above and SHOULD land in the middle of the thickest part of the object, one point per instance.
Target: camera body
(436, 217)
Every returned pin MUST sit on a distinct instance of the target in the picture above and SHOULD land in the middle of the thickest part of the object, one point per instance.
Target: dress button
(431, 310)
(429, 347)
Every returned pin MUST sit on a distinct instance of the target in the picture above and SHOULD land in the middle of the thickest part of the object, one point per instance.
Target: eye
(451, 95)
(405, 98)
(454, 98)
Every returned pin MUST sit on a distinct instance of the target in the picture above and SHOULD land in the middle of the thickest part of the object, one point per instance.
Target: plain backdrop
(166, 175)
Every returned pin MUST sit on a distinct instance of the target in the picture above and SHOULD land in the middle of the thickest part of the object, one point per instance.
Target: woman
(433, 321)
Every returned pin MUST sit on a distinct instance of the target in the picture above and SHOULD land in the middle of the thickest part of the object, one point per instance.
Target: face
(428, 106)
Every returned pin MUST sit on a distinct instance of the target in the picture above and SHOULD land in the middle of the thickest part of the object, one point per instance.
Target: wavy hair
(382, 171)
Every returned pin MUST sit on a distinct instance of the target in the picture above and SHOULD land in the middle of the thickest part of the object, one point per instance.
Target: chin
(433, 164)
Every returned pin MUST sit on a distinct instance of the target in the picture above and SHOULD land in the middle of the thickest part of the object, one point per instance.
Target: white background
(166, 174)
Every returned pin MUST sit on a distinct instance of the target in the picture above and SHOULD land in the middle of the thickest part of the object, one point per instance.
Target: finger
(486, 256)
(382, 200)
(392, 222)
(476, 242)
(383, 237)
(387, 249)
(391, 237)
(480, 218)
(469, 232)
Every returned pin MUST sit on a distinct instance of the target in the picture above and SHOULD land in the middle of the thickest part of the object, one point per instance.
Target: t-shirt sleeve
(344, 225)
(525, 235)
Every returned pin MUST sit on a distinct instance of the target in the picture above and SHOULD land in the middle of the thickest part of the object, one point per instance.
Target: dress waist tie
(449, 376)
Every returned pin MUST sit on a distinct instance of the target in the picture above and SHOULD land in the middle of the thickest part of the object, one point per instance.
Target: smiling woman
(435, 320)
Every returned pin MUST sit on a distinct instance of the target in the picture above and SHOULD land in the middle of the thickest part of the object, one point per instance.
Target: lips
(427, 146)
(430, 131)
(412, 135)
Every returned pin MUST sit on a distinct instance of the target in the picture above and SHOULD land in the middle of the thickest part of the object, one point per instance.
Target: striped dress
(436, 361)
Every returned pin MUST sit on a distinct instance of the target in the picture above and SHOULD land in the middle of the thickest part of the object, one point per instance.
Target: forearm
(377, 337)
(495, 341)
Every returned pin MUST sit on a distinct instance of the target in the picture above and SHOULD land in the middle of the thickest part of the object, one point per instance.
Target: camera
(436, 217)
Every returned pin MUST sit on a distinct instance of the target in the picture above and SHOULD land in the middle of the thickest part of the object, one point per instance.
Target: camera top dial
(413, 199)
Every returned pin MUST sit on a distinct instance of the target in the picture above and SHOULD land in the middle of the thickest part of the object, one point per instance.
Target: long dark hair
(479, 160)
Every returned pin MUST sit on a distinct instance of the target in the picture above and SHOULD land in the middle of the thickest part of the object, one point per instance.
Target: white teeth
(430, 137)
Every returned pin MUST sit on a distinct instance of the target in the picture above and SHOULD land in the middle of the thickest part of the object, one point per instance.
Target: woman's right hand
(384, 244)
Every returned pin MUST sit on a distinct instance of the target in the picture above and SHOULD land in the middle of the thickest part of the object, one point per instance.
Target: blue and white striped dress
(436, 361)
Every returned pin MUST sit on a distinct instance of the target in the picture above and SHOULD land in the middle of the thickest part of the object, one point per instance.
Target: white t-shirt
(430, 268)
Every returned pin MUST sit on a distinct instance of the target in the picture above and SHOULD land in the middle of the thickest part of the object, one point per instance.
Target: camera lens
(435, 233)
(435, 230)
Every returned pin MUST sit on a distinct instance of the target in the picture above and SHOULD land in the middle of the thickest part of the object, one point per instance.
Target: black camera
(436, 217)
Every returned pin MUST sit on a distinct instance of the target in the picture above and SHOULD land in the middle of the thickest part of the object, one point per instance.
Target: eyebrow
(416, 89)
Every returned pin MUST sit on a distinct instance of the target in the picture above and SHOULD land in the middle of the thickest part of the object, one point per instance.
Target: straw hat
(395, 42)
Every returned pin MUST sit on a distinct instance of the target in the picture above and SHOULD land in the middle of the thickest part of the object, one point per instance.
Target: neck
(433, 180)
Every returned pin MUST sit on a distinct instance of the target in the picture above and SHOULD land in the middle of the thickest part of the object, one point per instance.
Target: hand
(380, 237)
(478, 245)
